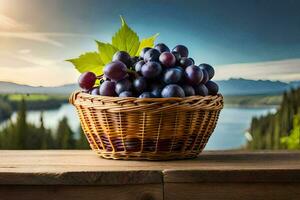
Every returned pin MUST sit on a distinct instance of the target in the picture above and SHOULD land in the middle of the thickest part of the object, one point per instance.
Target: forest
(279, 130)
(23, 135)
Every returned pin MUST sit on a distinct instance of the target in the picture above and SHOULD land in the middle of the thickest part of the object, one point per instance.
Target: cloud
(283, 70)
(24, 58)
(24, 51)
(7, 23)
(10, 28)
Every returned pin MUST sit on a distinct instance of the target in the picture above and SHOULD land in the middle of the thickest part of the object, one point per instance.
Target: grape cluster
(156, 73)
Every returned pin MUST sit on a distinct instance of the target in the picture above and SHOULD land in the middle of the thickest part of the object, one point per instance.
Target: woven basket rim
(80, 94)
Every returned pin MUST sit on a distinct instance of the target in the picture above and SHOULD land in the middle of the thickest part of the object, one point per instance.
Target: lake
(229, 133)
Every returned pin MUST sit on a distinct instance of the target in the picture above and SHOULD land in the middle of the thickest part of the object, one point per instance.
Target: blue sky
(249, 39)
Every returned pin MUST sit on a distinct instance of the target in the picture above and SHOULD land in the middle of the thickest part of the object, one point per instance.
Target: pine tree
(64, 135)
(82, 142)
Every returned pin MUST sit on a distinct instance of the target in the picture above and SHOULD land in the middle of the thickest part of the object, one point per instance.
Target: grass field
(36, 97)
(253, 100)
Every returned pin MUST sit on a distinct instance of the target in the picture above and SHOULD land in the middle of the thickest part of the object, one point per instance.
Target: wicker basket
(147, 129)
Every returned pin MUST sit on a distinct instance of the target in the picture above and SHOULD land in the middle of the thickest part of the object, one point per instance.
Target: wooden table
(81, 175)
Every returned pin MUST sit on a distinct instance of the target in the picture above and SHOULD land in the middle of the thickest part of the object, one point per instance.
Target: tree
(292, 141)
(82, 142)
(64, 135)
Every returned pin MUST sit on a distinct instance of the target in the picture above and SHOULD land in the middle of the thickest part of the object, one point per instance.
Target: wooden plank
(232, 191)
(75, 167)
(82, 178)
(233, 176)
(124, 192)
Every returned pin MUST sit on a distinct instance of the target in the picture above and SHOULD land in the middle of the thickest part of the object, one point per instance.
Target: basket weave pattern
(147, 129)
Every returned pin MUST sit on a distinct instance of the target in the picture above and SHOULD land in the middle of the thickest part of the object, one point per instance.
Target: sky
(253, 39)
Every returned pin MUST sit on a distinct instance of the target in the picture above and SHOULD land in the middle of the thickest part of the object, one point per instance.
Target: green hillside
(278, 130)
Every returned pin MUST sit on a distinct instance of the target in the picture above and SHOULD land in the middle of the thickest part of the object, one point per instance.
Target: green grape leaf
(106, 51)
(125, 39)
(89, 61)
(147, 42)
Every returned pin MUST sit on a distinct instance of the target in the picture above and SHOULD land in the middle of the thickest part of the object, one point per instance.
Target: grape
(138, 65)
(115, 71)
(87, 80)
(205, 76)
(135, 59)
(194, 75)
(123, 85)
(142, 53)
(140, 84)
(107, 88)
(172, 75)
(172, 90)
(126, 94)
(146, 95)
(177, 56)
(212, 87)
(156, 89)
(185, 62)
(156, 92)
(201, 90)
(188, 90)
(161, 47)
(167, 59)
(210, 70)
(95, 91)
(192, 60)
(122, 56)
(151, 69)
(151, 55)
(182, 50)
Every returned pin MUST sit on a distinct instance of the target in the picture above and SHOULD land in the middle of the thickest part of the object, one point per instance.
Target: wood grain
(232, 191)
(124, 192)
(75, 167)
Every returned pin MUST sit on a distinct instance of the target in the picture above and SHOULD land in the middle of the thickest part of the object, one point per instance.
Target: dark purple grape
(205, 76)
(194, 75)
(151, 69)
(132, 144)
(172, 75)
(142, 53)
(95, 91)
(201, 90)
(115, 71)
(126, 94)
(212, 87)
(192, 60)
(167, 59)
(156, 93)
(140, 84)
(138, 65)
(182, 50)
(123, 85)
(172, 90)
(177, 57)
(188, 90)
(146, 95)
(210, 70)
(123, 57)
(107, 88)
(151, 55)
(161, 47)
(87, 80)
(135, 59)
(185, 62)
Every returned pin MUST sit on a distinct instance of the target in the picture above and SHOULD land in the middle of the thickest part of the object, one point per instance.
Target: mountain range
(227, 87)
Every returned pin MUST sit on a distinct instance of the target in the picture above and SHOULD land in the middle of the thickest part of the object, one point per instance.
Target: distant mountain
(9, 88)
(227, 87)
(251, 87)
